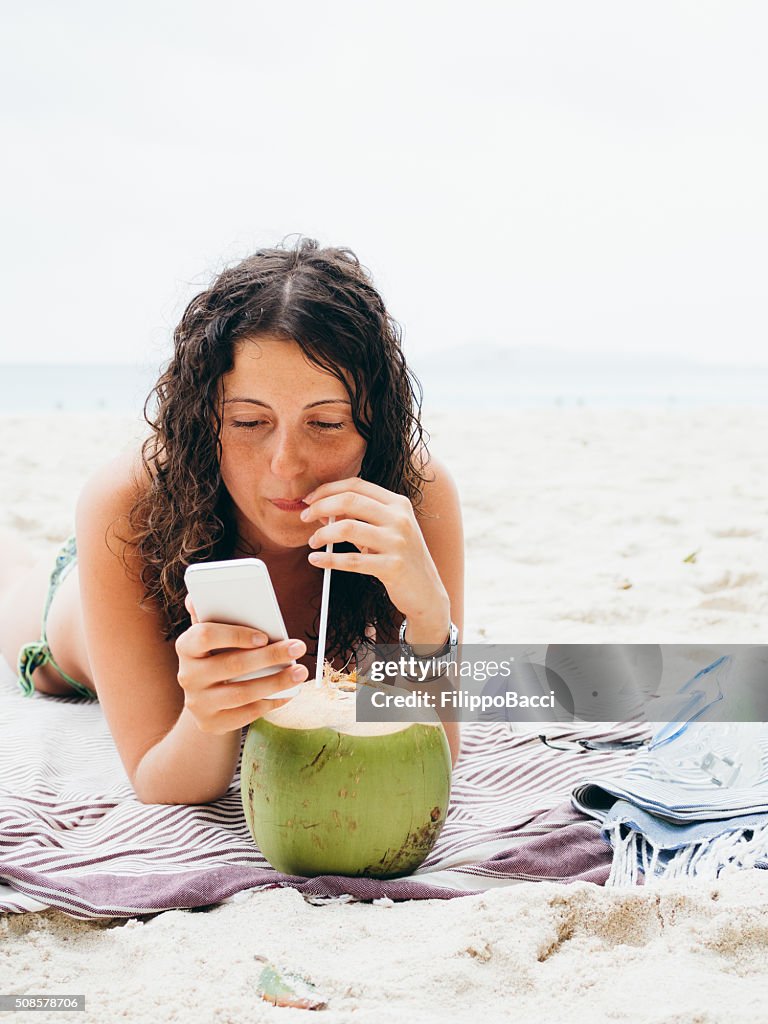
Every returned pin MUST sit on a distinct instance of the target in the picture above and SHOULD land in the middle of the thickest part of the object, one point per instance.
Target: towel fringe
(731, 851)
(624, 865)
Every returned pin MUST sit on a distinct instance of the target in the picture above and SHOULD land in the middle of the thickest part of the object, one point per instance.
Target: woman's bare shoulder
(112, 490)
(123, 477)
(439, 492)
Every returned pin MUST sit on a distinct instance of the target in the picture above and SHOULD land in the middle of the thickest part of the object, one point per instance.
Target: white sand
(578, 524)
(538, 953)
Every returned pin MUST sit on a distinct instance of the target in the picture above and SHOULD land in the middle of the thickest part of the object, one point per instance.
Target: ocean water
(508, 379)
(493, 380)
(48, 388)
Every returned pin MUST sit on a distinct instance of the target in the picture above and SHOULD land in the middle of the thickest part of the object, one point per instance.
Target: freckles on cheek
(234, 475)
(343, 470)
(356, 461)
(327, 465)
(225, 468)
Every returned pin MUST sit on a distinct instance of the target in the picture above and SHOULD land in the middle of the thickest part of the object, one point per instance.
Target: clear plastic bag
(691, 749)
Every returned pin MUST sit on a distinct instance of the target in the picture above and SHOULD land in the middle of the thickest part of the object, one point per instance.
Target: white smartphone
(239, 592)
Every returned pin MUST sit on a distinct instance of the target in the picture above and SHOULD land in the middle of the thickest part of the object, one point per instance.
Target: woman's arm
(420, 560)
(443, 531)
(177, 744)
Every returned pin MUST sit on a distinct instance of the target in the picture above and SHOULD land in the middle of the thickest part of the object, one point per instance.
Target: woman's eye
(326, 426)
(318, 424)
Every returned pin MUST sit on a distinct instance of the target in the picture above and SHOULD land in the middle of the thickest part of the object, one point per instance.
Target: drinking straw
(323, 615)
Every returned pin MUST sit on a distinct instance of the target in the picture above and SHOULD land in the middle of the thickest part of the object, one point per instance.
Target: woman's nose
(287, 458)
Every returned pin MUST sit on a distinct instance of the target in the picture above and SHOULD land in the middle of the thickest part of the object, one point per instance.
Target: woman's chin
(270, 536)
(291, 535)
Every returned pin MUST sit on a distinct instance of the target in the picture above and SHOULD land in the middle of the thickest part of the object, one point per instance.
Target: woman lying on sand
(287, 401)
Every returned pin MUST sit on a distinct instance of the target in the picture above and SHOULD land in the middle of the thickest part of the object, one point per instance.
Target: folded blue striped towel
(677, 829)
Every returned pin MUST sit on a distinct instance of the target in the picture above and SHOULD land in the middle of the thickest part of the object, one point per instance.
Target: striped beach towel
(673, 828)
(74, 837)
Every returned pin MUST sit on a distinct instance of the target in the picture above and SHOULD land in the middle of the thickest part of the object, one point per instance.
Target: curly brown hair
(323, 299)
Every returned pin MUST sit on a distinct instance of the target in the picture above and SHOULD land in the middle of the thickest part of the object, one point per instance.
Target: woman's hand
(382, 525)
(211, 653)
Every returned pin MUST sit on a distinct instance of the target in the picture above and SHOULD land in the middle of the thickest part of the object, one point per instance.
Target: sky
(587, 176)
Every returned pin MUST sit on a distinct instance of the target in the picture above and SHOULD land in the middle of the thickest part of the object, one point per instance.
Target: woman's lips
(289, 506)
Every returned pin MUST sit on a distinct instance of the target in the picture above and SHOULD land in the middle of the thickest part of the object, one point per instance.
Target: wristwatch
(441, 658)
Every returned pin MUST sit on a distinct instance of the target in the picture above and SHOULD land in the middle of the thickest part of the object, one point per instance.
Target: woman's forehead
(277, 365)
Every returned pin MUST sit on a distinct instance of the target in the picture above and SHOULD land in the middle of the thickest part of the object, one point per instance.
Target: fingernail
(315, 555)
(259, 639)
(304, 513)
(296, 648)
(298, 673)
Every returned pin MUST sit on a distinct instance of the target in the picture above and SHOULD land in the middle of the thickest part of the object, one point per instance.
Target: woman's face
(286, 428)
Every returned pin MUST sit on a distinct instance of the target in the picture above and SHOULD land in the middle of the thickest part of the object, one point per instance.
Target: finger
(350, 531)
(228, 665)
(273, 703)
(367, 565)
(235, 695)
(237, 718)
(350, 504)
(202, 638)
(190, 608)
(352, 483)
(204, 675)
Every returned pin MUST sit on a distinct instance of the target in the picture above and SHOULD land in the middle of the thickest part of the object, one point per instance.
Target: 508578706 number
(35, 1002)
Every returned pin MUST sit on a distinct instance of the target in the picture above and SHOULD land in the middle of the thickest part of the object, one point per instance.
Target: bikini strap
(33, 656)
(37, 653)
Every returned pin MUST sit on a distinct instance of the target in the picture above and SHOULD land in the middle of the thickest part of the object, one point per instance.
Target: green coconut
(324, 794)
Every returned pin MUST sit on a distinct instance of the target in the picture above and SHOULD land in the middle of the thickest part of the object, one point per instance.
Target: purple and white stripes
(73, 836)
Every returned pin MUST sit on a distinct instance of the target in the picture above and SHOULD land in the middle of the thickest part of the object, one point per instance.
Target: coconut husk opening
(333, 705)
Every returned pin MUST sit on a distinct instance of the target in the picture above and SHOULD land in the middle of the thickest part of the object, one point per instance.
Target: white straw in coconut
(323, 615)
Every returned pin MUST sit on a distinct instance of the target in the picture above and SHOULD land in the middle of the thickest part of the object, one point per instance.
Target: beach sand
(582, 525)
